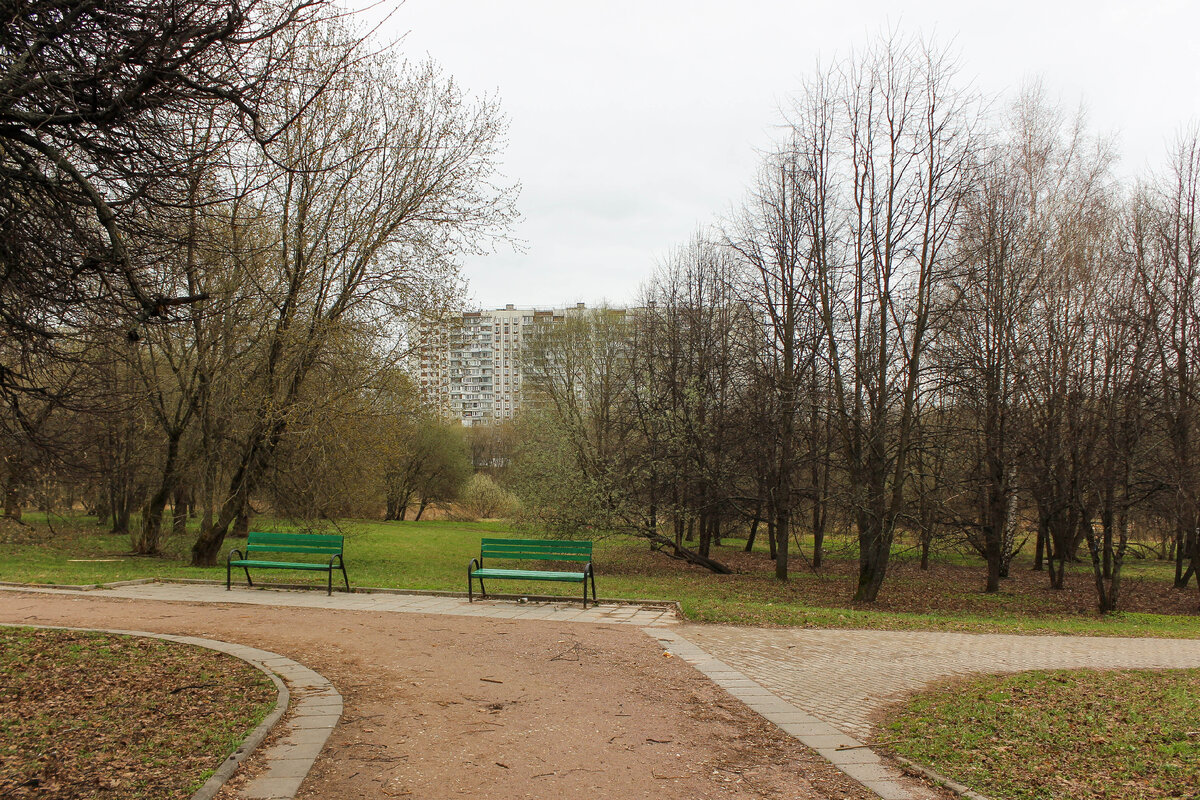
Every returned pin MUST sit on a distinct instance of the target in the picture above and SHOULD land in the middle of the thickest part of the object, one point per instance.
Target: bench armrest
(229, 557)
(588, 569)
(473, 565)
(338, 558)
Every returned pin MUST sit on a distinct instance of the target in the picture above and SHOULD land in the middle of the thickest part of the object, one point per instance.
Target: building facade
(470, 365)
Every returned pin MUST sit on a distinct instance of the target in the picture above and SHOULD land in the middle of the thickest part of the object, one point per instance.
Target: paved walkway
(824, 687)
(847, 677)
(566, 610)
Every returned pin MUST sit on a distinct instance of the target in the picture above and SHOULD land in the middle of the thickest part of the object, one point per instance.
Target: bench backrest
(314, 543)
(539, 549)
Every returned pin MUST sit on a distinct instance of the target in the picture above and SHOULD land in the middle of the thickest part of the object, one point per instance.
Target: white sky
(634, 123)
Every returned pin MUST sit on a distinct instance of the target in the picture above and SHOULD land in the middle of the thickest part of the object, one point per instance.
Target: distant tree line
(924, 321)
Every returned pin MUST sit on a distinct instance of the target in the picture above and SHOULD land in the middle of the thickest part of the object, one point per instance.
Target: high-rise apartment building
(470, 366)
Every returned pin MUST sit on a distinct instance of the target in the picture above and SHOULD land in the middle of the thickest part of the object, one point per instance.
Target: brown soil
(443, 707)
(118, 717)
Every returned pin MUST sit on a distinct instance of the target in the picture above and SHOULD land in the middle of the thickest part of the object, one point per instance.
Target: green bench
(311, 544)
(531, 550)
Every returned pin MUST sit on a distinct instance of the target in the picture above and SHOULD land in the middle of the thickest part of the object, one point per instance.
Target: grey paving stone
(887, 790)
(829, 741)
(793, 716)
(803, 729)
(841, 758)
(271, 789)
(306, 736)
(319, 721)
(287, 752)
(770, 706)
(875, 772)
(294, 769)
(312, 709)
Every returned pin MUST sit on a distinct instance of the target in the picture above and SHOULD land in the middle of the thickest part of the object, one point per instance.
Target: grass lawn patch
(433, 555)
(95, 715)
(1129, 734)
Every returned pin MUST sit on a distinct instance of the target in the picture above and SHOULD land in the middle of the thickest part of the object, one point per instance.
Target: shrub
(482, 498)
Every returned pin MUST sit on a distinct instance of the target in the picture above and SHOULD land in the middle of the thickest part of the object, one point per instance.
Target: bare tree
(91, 95)
(1067, 173)
(784, 238)
(381, 180)
(908, 135)
(585, 459)
(1124, 395)
(990, 300)
(1167, 262)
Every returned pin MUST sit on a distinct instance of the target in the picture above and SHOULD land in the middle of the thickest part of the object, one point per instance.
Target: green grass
(1041, 735)
(433, 555)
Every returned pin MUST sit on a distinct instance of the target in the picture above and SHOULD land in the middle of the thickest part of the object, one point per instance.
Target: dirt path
(446, 707)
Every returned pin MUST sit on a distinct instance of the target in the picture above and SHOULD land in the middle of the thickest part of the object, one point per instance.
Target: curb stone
(318, 704)
(939, 779)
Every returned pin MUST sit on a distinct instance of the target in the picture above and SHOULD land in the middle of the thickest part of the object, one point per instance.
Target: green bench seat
(312, 544)
(531, 550)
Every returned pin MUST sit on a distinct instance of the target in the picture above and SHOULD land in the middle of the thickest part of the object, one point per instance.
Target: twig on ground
(572, 650)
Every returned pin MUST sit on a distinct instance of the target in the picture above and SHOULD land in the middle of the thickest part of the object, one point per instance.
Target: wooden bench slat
(280, 564)
(584, 543)
(281, 548)
(538, 556)
(533, 575)
(305, 537)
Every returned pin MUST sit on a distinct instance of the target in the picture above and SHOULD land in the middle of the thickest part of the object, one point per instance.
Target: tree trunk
(753, 528)
(875, 549)
(181, 505)
(1181, 553)
(993, 554)
(12, 499)
(103, 508)
(771, 532)
(818, 523)
(122, 509)
(684, 553)
(148, 541)
(782, 535)
(241, 526)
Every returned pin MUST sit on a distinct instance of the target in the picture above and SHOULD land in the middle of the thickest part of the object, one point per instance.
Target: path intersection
(824, 687)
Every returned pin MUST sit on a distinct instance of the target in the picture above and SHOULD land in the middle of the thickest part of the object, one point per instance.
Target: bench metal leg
(228, 576)
(329, 586)
(346, 578)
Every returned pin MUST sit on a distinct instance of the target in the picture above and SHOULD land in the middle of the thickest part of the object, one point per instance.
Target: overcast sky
(634, 123)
